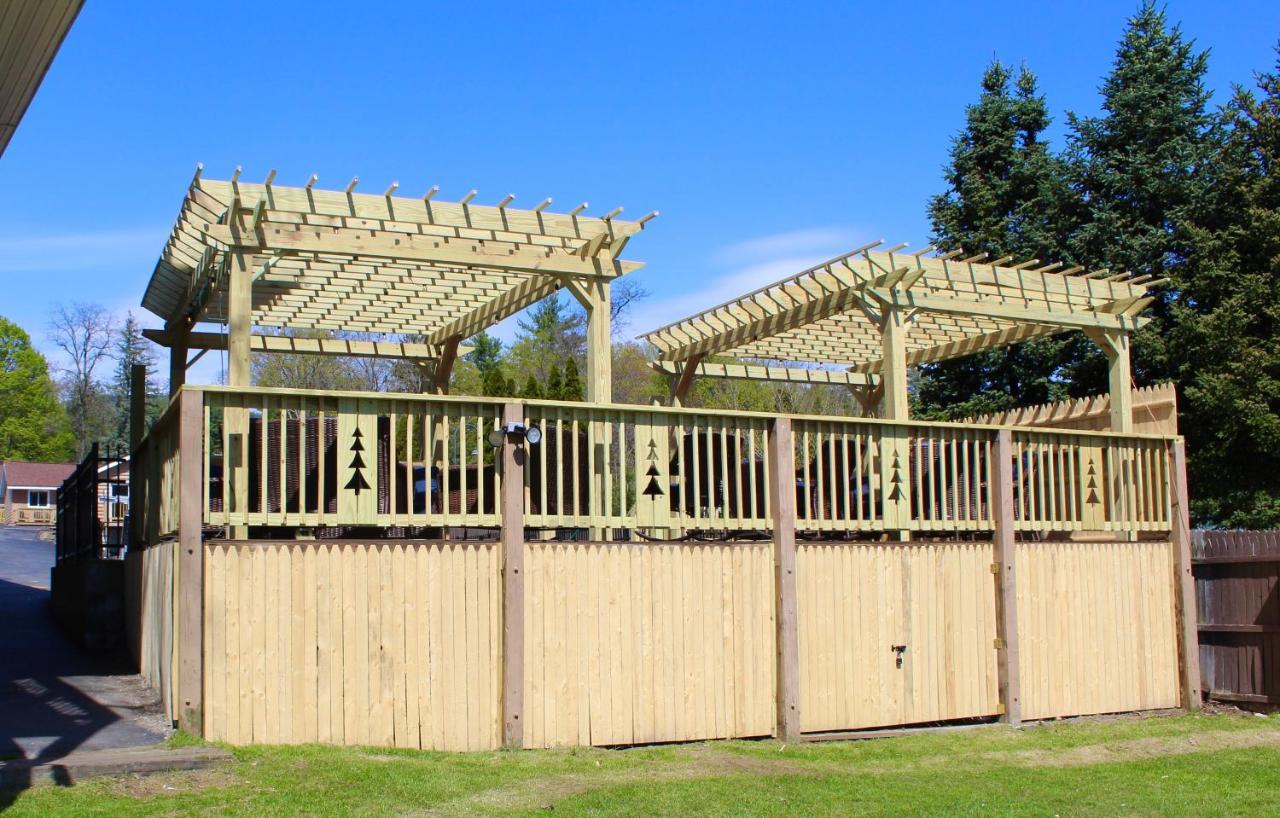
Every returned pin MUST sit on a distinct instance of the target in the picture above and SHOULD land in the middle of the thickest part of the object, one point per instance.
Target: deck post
(1188, 617)
(782, 500)
(513, 460)
(190, 573)
(1005, 569)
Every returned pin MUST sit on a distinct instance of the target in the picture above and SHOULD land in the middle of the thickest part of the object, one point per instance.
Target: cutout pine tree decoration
(653, 489)
(357, 482)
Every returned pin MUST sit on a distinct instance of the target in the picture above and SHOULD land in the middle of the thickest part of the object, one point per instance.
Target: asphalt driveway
(54, 696)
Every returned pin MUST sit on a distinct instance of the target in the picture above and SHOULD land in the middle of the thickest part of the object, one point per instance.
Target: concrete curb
(76, 767)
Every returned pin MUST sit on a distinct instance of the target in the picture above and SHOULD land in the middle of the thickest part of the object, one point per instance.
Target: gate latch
(899, 650)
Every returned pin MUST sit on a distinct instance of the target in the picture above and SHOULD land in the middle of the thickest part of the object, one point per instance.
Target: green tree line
(1160, 183)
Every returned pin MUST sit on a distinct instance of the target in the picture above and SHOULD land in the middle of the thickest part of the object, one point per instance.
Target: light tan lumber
(894, 364)
(1188, 617)
(759, 372)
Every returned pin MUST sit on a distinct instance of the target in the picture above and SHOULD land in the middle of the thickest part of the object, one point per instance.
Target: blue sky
(768, 135)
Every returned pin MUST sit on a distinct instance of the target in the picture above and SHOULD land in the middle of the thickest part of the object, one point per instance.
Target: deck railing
(274, 458)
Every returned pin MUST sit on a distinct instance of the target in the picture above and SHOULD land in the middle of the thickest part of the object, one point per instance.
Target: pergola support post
(444, 365)
(595, 297)
(681, 385)
(1115, 345)
(239, 327)
(177, 362)
(893, 341)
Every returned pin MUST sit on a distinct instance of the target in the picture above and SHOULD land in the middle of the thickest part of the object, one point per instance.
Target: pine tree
(552, 331)
(131, 348)
(1227, 322)
(33, 424)
(555, 384)
(1140, 169)
(486, 352)
(532, 390)
(572, 387)
(1007, 194)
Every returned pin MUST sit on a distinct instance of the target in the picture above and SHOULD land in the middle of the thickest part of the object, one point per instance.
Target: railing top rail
(681, 411)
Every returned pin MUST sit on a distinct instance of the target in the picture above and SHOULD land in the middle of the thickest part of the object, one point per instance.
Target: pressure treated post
(137, 431)
(1006, 580)
(236, 419)
(599, 342)
(513, 458)
(782, 499)
(1188, 617)
(177, 362)
(190, 575)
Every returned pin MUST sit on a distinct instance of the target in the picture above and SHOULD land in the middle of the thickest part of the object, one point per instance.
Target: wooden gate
(895, 634)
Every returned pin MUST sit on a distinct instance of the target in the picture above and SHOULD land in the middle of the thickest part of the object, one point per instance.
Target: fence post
(190, 574)
(137, 430)
(1006, 580)
(782, 500)
(1180, 535)
(513, 459)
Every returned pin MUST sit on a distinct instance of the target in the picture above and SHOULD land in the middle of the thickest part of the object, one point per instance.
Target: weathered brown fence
(1238, 596)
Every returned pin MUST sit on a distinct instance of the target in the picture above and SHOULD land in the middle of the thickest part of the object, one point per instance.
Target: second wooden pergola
(876, 312)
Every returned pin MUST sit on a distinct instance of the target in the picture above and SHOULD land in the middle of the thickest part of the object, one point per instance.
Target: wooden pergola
(876, 312)
(377, 265)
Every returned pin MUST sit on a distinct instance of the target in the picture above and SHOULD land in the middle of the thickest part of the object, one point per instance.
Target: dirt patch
(709, 761)
(692, 762)
(1139, 749)
(182, 782)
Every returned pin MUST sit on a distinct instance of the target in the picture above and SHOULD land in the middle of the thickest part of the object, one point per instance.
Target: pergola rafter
(302, 258)
(878, 311)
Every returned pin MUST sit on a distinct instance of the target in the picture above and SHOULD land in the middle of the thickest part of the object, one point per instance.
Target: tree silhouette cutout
(357, 482)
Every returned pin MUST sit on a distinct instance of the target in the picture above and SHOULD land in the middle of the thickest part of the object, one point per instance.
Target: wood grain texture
(858, 601)
(1097, 627)
(391, 643)
(632, 644)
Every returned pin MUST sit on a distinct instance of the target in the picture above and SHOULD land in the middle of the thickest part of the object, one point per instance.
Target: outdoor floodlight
(531, 434)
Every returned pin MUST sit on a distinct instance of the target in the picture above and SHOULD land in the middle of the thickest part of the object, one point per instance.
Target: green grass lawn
(1178, 765)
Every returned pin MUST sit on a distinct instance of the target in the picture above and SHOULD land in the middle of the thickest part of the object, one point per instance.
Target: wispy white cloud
(791, 243)
(750, 264)
(79, 251)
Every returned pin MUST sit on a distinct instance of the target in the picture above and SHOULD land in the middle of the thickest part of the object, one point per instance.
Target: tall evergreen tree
(33, 424)
(1140, 170)
(572, 387)
(552, 332)
(1226, 339)
(131, 349)
(1007, 194)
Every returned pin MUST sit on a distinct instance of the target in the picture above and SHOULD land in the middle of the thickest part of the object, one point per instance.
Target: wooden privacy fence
(1238, 595)
(790, 627)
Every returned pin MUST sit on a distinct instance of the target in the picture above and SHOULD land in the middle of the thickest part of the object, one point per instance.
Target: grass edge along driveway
(1159, 765)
